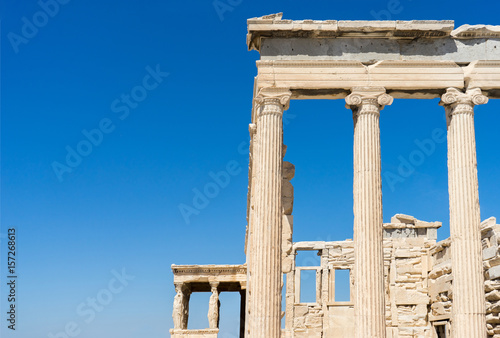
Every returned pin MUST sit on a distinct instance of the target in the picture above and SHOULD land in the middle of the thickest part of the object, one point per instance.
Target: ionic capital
(368, 99)
(278, 97)
(456, 101)
(182, 289)
(213, 286)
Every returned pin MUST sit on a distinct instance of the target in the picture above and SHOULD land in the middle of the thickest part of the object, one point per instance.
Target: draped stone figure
(177, 313)
(213, 309)
(185, 307)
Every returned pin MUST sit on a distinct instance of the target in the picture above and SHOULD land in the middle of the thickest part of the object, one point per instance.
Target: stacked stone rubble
(440, 282)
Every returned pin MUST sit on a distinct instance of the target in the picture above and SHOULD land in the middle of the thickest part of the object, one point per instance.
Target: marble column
(468, 309)
(369, 297)
(213, 306)
(265, 304)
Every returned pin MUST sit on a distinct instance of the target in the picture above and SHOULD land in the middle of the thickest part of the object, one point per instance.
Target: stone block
(366, 26)
(493, 308)
(402, 218)
(494, 272)
(299, 322)
(287, 264)
(314, 321)
(432, 234)
(404, 297)
(300, 310)
(287, 197)
(492, 319)
(287, 238)
(490, 252)
(444, 26)
(440, 269)
(488, 223)
(493, 296)
(288, 170)
(406, 253)
(490, 285)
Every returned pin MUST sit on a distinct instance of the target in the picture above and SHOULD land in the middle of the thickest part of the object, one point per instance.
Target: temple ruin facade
(403, 283)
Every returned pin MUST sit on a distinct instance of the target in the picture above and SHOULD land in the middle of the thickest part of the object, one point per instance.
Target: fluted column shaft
(265, 304)
(467, 263)
(369, 299)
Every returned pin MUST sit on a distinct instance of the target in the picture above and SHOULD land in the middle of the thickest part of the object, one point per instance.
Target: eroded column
(467, 264)
(369, 298)
(265, 305)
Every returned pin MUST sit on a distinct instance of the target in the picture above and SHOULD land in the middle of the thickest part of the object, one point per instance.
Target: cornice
(273, 26)
(476, 32)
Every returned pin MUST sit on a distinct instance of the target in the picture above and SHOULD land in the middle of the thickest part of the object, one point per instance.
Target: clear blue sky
(86, 67)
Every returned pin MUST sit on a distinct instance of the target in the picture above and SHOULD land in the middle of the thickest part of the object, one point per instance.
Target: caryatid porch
(205, 278)
(368, 64)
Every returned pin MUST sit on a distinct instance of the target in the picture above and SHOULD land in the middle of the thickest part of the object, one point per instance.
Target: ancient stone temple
(403, 283)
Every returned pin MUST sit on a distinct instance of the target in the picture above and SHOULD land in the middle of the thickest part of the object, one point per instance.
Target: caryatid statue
(213, 307)
(178, 312)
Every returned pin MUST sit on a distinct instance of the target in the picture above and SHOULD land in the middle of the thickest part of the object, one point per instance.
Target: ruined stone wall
(314, 319)
(441, 280)
(490, 236)
(407, 297)
(407, 245)
(339, 319)
(406, 256)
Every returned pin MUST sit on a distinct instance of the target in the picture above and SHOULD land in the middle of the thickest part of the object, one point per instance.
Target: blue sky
(109, 226)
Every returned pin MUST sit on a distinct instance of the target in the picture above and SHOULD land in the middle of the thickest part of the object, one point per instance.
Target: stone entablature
(204, 274)
(371, 41)
(333, 79)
